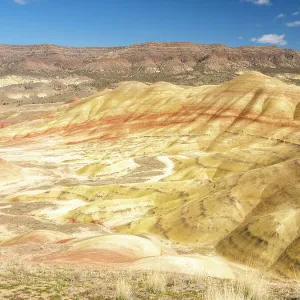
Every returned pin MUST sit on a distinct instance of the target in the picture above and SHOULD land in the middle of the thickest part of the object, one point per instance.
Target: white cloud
(281, 16)
(293, 24)
(21, 2)
(260, 2)
(273, 39)
(296, 13)
(240, 37)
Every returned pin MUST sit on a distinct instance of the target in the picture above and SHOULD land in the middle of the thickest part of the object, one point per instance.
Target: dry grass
(247, 287)
(156, 282)
(253, 287)
(225, 293)
(123, 290)
(21, 281)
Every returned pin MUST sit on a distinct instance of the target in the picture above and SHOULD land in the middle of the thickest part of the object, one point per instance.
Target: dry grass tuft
(225, 293)
(156, 282)
(123, 290)
(253, 287)
(245, 288)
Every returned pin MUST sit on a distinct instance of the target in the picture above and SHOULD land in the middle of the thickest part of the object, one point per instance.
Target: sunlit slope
(206, 166)
(238, 106)
(9, 172)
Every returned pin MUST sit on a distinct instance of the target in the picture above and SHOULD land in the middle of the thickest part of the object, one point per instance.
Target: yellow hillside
(209, 166)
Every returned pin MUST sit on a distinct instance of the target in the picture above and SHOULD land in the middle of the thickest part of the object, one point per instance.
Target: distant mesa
(181, 63)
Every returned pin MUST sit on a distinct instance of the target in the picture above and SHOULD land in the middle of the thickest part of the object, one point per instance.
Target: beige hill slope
(9, 172)
(205, 167)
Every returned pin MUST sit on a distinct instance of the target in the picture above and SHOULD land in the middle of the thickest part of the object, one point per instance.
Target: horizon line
(149, 43)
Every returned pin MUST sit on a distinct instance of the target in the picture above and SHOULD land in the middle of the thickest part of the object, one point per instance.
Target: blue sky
(125, 22)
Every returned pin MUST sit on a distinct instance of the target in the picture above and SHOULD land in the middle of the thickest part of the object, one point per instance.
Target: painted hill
(209, 167)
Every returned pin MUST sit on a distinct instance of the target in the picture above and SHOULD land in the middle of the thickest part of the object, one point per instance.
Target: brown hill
(183, 63)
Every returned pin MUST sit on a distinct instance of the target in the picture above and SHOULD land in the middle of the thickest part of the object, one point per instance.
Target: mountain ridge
(35, 74)
(169, 58)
